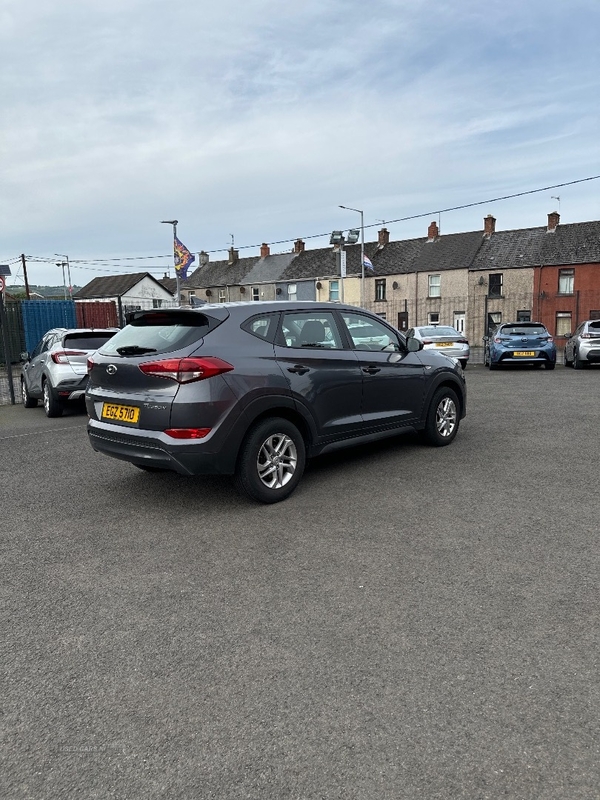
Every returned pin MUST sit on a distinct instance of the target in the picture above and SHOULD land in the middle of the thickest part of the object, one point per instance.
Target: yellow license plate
(117, 413)
(524, 354)
(443, 344)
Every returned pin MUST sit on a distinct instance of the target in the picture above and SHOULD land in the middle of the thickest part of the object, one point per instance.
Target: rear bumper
(508, 357)
(211, 456)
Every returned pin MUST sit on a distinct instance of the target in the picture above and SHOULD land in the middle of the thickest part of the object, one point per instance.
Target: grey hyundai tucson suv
(254, 389)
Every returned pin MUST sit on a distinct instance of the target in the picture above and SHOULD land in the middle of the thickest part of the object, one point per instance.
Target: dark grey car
(253, 389)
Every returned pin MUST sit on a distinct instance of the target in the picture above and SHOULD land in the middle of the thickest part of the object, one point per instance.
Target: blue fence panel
(41, 315)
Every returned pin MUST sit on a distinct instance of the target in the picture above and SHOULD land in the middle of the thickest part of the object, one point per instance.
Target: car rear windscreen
(161, 332)
(87, 341)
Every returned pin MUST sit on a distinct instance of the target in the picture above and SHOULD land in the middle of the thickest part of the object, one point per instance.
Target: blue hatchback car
(520, 343)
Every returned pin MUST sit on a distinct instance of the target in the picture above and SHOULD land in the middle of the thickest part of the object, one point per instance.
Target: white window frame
(566, 281)
(222, 295)
(334, 291)
(435, 285)
(255, 293)
(292, 291)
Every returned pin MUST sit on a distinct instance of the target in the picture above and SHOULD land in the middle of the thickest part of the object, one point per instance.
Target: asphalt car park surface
(412, 623)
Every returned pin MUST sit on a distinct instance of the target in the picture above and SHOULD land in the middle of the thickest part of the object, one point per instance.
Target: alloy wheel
(277, 460)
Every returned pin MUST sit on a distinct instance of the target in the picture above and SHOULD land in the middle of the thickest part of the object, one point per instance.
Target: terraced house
(472, 280)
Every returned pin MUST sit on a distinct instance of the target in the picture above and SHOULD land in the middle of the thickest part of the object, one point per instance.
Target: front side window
(566, 278)
(369, 334)
(495, 285)
(334, 290)
(563, 323)
(380, 289)
(435, 285)
(316, 330)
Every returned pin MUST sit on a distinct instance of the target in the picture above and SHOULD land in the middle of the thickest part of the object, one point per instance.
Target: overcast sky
(257, 118)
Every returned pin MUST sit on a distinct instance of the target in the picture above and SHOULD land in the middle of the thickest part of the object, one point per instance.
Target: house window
(222, 295)
(595, 314)
(495, 285)
(563, 323)
(291, 290)
(433, 317)
(382, 314)
(255, 293)
(334, 290)
(566, 278)
(435, 285)
(380, 289)
(156, 303)
(524, 316)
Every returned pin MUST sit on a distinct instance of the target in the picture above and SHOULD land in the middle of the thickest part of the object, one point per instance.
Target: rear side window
(89, 341)
(161, 332)
(264, 326)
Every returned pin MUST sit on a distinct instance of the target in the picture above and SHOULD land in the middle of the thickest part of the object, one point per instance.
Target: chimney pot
(383, 237)
(298, 246)
(264, 250)
(233, 256)
(432, 232)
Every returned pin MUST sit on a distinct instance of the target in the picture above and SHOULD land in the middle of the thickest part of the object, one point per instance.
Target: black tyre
(271, 461)
(52, 405)
(442, 418)
(578, 363)
(550, 364)
(566, 361)
(492, 366)
(463, 363)
(28, 400)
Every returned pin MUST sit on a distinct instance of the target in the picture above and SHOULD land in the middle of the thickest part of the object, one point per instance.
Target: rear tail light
(62, 356)
(462, 341)
(586, 336)
(186, 370)
(427, 341)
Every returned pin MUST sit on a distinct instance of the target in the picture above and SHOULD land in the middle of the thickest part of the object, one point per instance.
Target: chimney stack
(298, 246)
(264, 250)
(489, 226)
(233, 256)
(553, 220)
(432, 232)
(203, 258)
(384, 237)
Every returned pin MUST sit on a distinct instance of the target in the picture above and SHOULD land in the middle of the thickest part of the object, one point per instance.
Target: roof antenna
(231, 234)
(554, 197)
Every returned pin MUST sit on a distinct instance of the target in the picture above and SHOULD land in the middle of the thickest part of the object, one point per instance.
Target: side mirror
(485, 338)
(568, 335)
(414, 345)
(24, 356)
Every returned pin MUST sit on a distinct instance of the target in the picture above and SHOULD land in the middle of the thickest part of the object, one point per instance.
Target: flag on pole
(183, 259)
(368, 263)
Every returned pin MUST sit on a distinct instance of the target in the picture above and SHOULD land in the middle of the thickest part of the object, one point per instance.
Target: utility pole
(27, 295)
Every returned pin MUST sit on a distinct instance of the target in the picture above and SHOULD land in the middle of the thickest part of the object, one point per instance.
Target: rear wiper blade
(134, 350)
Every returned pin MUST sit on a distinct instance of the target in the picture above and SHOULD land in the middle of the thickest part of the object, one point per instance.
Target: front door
(393, 378)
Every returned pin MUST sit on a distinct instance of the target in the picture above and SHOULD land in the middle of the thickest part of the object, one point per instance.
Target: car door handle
(371, 370)
(299, 369)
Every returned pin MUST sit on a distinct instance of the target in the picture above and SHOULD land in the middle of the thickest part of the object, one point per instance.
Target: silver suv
(583, 346)
(56, 371)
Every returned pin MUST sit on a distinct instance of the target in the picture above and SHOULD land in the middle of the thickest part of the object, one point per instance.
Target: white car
(444, 339)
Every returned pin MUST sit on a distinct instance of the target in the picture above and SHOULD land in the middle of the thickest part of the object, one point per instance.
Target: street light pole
(174, 222)
(66, 264)
(362, 252)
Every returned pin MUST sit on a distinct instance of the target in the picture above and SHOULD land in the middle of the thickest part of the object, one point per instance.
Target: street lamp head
(353, 236)
(337, 237)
